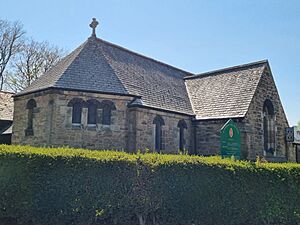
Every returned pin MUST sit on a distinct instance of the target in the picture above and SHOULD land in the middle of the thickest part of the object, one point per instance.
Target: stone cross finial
(93, 25)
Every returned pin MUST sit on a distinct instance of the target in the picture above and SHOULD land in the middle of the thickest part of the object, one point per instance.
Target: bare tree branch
(10, 44)
(34, 59)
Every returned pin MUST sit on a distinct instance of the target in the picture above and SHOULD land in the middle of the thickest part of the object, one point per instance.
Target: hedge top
(149, 158)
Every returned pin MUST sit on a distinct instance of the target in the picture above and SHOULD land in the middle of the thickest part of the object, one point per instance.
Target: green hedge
(58, 186)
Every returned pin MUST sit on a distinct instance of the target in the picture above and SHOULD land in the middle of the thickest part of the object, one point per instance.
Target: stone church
(103, 96)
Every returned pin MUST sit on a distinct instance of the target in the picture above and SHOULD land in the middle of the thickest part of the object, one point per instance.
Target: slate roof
(100, 66)
(6, 106)
(225, 93)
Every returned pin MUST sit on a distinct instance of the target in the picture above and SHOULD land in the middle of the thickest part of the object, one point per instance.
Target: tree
(11, 38)
(34, 59)
(299, 125)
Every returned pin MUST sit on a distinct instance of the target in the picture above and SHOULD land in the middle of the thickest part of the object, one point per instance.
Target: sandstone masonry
(103, 96)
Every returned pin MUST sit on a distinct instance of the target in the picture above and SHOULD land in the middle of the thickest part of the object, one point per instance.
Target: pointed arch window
(77, 104)
(31, 104)
(93, 106)
(107, 106)
(182, 126)
(269, 127)
(159, 122)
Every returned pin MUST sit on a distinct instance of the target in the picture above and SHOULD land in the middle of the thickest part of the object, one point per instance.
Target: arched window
(31, 104)
(269, 127)
(159, 122)
(181, 125)
(107, 106)
(93, 106)
(76, 104)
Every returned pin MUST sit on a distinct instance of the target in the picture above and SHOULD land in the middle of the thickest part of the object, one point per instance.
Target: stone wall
(133, 128)
(130, 129)
(208, 134)
(251, 127)
(108, 137)
(144, 130)
(40, 120)
(266, 90)
(52, 122)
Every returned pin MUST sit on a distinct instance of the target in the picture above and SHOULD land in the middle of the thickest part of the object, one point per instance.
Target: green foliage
(42, 186)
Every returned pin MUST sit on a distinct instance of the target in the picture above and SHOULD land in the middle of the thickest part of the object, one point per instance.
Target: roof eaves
(227, 69)
(19, 94)
(162, 109)
(219, 118)
(78, 49)
(137, 101)
(7, 92)
(72, 89)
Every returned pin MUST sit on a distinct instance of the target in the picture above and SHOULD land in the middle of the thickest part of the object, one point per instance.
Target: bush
(42, 186)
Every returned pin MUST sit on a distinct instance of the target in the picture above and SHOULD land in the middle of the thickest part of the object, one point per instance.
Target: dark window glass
(159, 122)
(266, 141)
(31, 104)
(107, 107)
(181, 125)
(269, 127)
(76, 113)
(30, 118)
(106, 115)
(76, 104)
(92, 114)
(181, 139)
(158, 138)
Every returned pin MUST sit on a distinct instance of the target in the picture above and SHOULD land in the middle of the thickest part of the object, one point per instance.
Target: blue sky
(196, 36)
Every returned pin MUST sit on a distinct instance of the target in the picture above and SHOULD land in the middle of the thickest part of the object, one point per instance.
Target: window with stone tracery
(107, 107)
(269, 128)
(92, 106)
(77, 105)
(182, 126)
(159, 122)
(31, 104)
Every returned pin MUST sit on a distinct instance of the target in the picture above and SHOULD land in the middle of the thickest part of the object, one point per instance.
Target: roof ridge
(143, 56)
(214, 72)
(79, 49)
(108, 63)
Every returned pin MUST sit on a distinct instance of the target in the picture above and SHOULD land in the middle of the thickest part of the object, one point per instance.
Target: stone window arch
(182, 126)
(269, 127)
(107, 106)
(31, 104)
(92, 106)
(159, 122)
(77, 104)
